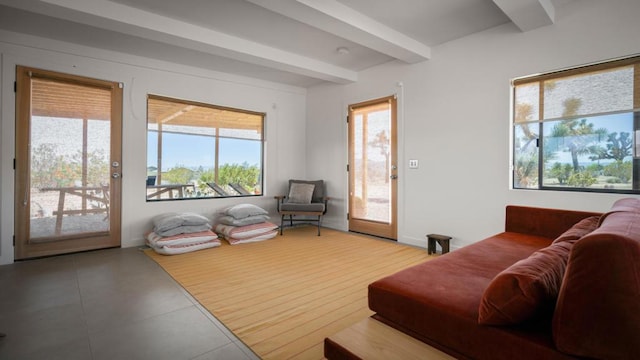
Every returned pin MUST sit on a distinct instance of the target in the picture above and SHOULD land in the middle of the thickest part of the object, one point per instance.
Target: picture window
(197, 150)
(578, 129)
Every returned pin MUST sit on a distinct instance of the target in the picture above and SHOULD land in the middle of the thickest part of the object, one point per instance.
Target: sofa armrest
(549, 223)
(598, 309)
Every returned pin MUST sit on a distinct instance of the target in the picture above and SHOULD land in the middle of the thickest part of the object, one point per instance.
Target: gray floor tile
(30, 287)
(226, 352)
(118, 309)
(32, 323)
(182, 334)
(63, 344)
(125, 285)
(245, 349)
(36, 298)
(215, 321)
(129, 262)
(107, 304)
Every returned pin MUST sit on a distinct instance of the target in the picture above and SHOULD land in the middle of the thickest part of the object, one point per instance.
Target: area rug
(283, 296)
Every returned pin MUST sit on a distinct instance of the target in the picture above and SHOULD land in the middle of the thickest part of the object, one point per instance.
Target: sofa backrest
(549, 223)
(598, 309)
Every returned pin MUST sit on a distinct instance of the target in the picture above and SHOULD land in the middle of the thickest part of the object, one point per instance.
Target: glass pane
(372, 185)
(594, 152)
(525, 168)
(527, 103)
(197, 151)
(70, 147)
(240, 166)
(592, 93)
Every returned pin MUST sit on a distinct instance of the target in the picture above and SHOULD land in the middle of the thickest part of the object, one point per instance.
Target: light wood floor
(372, 340)
(283, 296)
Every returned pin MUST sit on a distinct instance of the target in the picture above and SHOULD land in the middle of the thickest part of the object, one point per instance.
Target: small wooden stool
(442, 240)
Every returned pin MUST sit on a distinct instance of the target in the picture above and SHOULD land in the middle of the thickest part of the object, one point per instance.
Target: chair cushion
(312, 207)
(300, 193)
(318, 190)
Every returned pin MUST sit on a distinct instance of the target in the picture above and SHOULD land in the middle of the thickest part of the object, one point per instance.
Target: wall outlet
(413, 164)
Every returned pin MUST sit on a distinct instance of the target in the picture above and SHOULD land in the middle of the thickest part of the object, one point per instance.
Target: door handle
(393, 177)
(115, 175)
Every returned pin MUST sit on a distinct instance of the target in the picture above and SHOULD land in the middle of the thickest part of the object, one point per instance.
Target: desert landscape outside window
(578, 129)
(197, 150)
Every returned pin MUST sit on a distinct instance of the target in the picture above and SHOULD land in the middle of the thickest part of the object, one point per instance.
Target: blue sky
(618, 123)
(193, 151)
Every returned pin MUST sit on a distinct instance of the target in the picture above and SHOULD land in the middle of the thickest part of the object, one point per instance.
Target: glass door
(67, 163)
(373, 168)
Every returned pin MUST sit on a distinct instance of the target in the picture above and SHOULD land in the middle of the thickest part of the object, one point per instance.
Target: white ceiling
(288, 41)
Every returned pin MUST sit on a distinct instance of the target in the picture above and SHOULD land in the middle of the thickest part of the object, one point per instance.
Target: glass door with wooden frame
(373, 168)
(68, 163)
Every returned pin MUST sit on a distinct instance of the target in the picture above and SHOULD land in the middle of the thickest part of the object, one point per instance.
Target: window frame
(216, 150)
(540, 79)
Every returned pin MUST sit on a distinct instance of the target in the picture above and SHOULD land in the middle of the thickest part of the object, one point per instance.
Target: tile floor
(107, 304)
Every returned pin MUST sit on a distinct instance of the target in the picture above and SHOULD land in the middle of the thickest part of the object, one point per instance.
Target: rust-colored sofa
(556, 284)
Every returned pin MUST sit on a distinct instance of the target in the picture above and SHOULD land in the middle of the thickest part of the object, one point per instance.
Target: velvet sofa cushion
(598, 309)
(580, 229)
(529, 288)
(526, 289)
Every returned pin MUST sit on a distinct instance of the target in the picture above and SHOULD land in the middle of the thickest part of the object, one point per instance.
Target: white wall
(284, 105)
(454, 118)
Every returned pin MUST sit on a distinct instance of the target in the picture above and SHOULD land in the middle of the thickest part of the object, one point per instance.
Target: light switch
(413, 164)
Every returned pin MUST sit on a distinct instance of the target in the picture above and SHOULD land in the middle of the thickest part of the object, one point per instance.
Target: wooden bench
(370, 339)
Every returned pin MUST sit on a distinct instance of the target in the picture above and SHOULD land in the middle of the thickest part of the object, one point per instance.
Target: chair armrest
(326, 205)
(279, 199)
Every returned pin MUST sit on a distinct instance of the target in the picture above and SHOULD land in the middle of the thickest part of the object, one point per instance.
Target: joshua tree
(382, 141)
(618, 147)
(574, 132)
